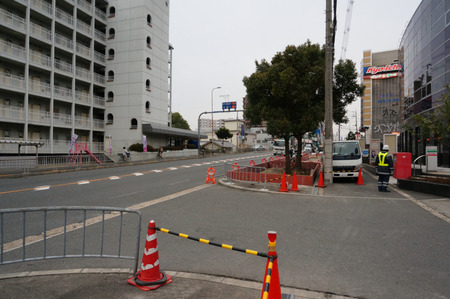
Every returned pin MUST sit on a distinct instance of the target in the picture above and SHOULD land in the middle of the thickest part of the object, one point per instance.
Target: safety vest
(381, 158)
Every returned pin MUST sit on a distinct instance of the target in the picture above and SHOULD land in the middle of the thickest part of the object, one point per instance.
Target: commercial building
(426, 47)
(97, 70)
(380, 104)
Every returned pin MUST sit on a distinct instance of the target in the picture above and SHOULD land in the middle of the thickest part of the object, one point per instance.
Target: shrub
(139, 147)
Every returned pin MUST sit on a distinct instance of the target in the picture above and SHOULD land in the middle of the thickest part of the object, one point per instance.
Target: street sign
(229, 106)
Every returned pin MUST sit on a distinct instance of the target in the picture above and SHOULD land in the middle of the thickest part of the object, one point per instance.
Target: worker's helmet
(386, 147)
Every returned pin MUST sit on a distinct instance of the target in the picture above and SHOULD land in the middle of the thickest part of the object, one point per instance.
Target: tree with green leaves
(223, 133)
(351, 136)
(288, 93)
(179, 122)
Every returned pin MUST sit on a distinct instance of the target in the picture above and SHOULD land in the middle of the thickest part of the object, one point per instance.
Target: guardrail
(28, 226)
(248, 174)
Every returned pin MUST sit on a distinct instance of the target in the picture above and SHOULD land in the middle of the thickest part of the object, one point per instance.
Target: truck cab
(347, 159)
(278, 147)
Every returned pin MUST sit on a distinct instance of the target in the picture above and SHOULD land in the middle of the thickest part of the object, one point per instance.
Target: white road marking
(41, 188)
(138, 174)
(83, 182)
(114, 178)
(16, 244)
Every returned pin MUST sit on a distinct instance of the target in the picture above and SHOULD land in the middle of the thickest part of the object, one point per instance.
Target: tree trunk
(298, 159)
(287, 157)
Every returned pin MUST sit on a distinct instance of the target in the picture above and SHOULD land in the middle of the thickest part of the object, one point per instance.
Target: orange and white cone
(283, 187)
(271, 287)
(360, 179)
(149, 277)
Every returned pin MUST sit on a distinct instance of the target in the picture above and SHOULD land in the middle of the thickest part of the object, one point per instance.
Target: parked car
(259, 148)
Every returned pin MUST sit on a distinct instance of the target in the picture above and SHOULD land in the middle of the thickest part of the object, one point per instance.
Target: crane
(348, 20)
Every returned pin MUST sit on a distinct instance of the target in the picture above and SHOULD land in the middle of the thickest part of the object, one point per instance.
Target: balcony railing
(83, 27)
(61, 119)
(12, 81)
(83, 50)
(83, 73)
(99, 57)
(82, 122)
(64, 17)
(63, 66)
(11, 49)
(63, 92)
(100, 35)
(40, 58)
(99, 123)
(40, 32)
(99, 101)
(39, 117)
(100, 14)
(82, 97)
(39, 87)
(11, 19)
(63, 41)
(99, 78)
(11, 113)
(42, 6)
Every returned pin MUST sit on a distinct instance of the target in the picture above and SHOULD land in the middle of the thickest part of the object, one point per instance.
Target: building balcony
(83, 50)
(63, 41)
(83, 73)
(42, 88)
(83, 97)
(62, 93)
(12, 21)
(12, 82)
(42, 6)
(12, 114)
(40, 32)
(40, 59)
(64, 17)
(11, 50)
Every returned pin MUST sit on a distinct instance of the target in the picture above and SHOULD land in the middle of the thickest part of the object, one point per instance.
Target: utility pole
(328, 165)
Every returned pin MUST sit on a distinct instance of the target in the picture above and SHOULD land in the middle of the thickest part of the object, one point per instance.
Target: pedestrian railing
(31, 234)
(247, 174)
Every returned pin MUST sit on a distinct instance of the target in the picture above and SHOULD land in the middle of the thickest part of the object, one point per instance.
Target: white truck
(278, 147)
(347, 159)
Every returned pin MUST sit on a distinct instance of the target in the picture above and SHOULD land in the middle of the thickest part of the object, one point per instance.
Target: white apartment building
(95, 68)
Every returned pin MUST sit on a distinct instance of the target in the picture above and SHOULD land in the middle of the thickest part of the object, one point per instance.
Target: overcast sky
(216, 42)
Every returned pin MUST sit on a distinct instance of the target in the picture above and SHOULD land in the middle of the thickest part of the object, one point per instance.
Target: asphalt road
(350, 241)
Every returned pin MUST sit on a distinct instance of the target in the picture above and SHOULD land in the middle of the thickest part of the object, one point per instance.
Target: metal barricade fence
(91, 235)
(247, 174)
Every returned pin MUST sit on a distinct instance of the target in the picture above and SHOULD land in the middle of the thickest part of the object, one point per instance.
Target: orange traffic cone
(271, 287)
(283, 187)
(294, 183)
(360, 179)
(149, 277)
(320, 185)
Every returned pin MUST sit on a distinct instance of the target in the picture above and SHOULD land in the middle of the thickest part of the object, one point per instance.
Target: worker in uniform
(385, 167)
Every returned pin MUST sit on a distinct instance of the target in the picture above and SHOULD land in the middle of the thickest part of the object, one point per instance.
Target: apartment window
(111, 54)
(149, 20)
(6, 102)
(110, 97)
(20, 134)
(109, 119)
(148, 62)
(147, 107)
(147, 84)
(110, 76)
(6, 133)
(134, 123)
(149, 42)
(112, 12)
(112, 33)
